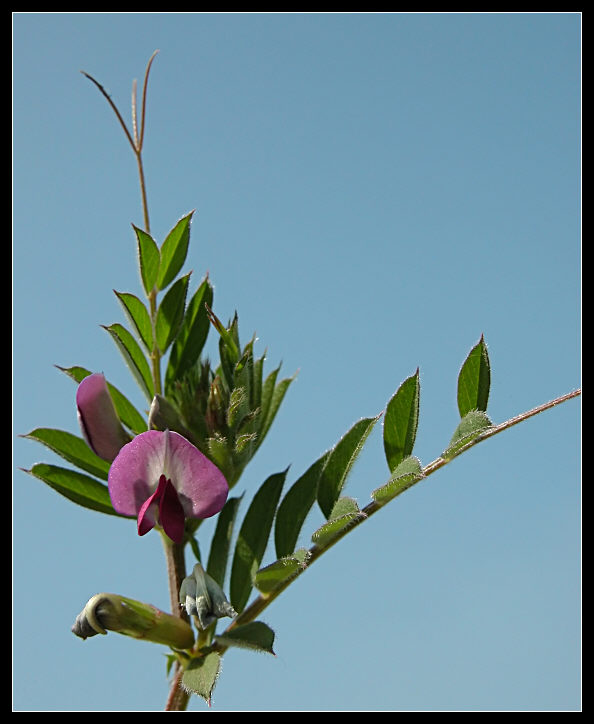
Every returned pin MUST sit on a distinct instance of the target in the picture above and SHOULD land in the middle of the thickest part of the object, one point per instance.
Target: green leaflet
(340, 462)
(344, 515)
(404, 476)
(221, 541)
(253, 538)
(171, 313)
(126, 411)
(271, 406)
(173, 251)
(149, 259)
(72, 448)
(134, 358)
(401, 420)
(472, 425)
(295, 507)
(192, 335)
(474, 380)
(200, 676)
(269, 578)
(79, 488)
(139, 317)
(255, 635)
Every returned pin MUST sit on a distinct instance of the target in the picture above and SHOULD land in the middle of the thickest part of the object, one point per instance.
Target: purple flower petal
(171, 513)
(201, 486)
(164, 468)
(99, 423)
(147, 515)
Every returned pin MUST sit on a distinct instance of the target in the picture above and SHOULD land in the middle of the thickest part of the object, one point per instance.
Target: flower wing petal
(201, 486)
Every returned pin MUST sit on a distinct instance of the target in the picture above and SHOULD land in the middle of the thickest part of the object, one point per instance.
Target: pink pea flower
(162, 479)
(99, 423)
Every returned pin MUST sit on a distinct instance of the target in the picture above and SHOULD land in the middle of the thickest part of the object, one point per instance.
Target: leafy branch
(405, 483)
(225, 411)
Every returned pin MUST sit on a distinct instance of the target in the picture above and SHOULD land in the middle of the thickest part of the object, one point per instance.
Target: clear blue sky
(373, 192)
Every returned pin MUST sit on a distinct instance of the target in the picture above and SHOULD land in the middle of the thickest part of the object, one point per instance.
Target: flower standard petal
(161, 477)
(201, 486)
(99, 423)
(135, 473)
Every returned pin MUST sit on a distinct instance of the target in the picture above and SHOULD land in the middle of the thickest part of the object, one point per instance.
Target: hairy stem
(176, 571)
(155, 354)
(178, 697)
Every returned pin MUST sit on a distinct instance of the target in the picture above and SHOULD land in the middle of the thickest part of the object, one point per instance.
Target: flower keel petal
(171, 513)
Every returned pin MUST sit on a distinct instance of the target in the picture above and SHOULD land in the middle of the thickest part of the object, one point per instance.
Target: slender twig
(135, 138)
(134, 117)
(144, 87)
(114, 107)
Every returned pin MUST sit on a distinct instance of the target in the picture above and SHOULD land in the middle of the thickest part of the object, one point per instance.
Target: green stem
(147, 225)
(155, 354)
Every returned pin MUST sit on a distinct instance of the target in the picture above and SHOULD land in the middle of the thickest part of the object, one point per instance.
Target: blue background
(373, 192)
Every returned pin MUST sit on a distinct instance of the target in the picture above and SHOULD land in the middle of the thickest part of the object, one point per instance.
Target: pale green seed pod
(110, 612)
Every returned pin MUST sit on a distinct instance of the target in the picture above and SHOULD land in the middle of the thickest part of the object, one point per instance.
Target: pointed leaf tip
(340, 463)
(401, 421)
(474, 379)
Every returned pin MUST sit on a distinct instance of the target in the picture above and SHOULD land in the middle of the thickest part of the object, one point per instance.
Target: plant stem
(155, 354)
(147, 225)
(176, 571)
(178, 697)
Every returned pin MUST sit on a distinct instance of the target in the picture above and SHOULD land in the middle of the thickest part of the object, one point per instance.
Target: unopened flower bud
(203, 598)
(164, 416)
(99, 423)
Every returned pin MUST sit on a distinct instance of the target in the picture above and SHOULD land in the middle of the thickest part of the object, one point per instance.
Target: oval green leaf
(273, 403)
(221, 541)
(340, 462)
(256, 636)
(134, 358)
(78, 488)
(470, 429)
(171, 313)
(474, 380)
(138, 315)
(401, 420)
(269, 578)
(149, 259)
(173, 251)
(404, 476)
(192, 335)
(253, 539)
(345, 514)
(295, 507)
(72, 448)
(200, 676)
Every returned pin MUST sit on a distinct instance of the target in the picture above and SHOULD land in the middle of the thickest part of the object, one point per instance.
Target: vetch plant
(205, 422)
